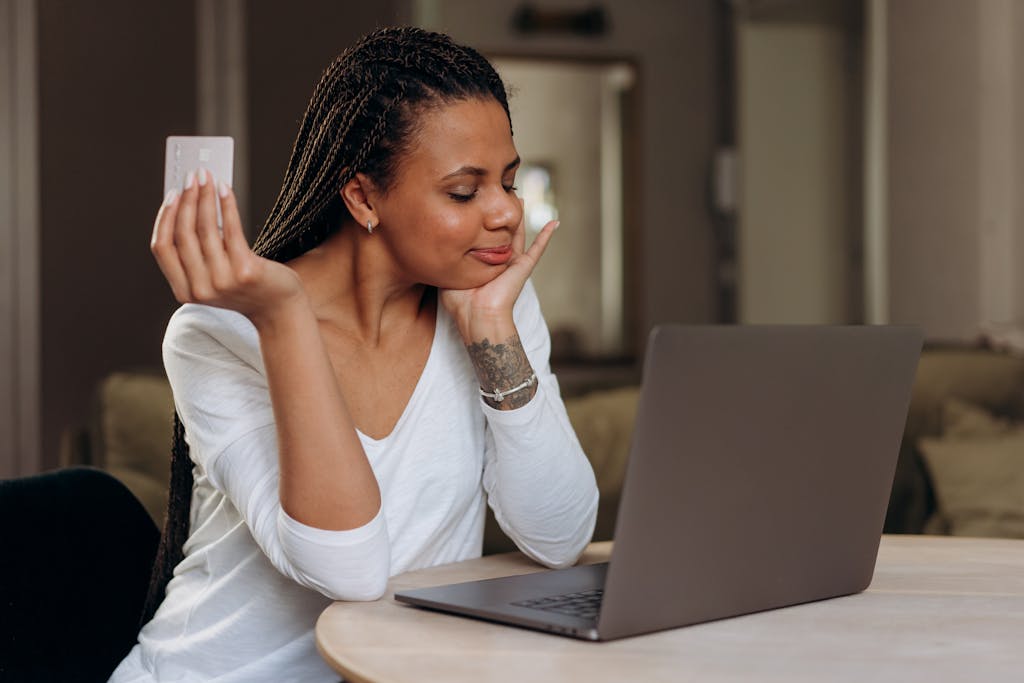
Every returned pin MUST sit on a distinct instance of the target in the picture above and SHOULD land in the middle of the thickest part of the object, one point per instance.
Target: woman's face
(451, 213)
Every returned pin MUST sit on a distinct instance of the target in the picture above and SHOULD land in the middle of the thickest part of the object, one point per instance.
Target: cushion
(136, 413)
(149, 491)
(977, 468)
(964, 420)
(983, 378)
(603, 421)
(986, 378)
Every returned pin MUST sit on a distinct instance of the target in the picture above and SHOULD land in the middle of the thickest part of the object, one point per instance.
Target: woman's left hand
(486, 311)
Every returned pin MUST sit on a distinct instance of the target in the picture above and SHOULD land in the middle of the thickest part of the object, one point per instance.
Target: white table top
(938, 609)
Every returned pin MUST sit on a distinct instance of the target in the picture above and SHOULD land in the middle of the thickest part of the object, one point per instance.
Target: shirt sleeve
(539, 482)
(216, 372)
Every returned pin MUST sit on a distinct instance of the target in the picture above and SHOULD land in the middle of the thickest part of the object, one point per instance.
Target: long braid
(170, 551)
(360, 119)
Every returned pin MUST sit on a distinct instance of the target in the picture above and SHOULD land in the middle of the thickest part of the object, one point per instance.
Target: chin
(469, 278)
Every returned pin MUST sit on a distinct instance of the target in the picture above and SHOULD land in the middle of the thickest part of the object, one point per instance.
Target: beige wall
(956, 141)
(933, 165)
(19, 248)
(800, 177)
(673, 46)
(944, 167)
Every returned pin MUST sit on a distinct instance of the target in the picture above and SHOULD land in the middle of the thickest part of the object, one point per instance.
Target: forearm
(500, 362)
(350, 564)
(325, 479)
(539, 482)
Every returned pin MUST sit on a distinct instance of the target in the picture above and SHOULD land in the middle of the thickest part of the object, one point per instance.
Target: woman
(354, 389)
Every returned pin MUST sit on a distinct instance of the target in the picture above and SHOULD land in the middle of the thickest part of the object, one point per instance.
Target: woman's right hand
(205, 267)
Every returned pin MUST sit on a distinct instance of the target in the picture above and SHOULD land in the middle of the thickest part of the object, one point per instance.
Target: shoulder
(207, 330)
(213, 362)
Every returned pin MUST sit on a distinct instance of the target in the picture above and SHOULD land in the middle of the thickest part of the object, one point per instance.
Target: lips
(493, 256)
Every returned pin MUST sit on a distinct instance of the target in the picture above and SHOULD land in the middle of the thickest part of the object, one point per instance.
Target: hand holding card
(205, 265)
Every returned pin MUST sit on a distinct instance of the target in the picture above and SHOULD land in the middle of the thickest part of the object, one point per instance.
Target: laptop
(759, 475)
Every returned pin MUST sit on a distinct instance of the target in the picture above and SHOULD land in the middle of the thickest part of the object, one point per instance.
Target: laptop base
(492, 599)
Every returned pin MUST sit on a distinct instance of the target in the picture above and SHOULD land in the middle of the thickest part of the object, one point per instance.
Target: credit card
(189, 153)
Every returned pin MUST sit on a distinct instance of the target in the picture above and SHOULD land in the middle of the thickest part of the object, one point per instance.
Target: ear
(360, 195)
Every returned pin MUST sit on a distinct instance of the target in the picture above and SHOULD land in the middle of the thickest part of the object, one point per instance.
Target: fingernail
(222, 188)
(189, 179)
(170, 197)
(201, 176)
(557, 223)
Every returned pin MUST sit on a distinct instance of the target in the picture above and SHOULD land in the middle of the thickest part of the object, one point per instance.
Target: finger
(163, 226)
(524, 264)
(164, 251)
(187, 242)
(234, 236)
(210, 241)
(540, 242)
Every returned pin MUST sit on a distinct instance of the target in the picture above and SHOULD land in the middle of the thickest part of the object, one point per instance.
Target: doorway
(569, 130)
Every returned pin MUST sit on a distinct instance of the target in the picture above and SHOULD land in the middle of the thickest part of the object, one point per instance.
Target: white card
(190, 153)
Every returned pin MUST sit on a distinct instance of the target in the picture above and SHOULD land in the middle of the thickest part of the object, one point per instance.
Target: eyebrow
(477, 171)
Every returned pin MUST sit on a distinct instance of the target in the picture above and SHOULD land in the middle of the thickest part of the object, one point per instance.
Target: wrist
(287, 314)
(506, 378)
(496, 327)
(498, 396)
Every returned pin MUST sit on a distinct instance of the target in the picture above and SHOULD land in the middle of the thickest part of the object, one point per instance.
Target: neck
(355, 288)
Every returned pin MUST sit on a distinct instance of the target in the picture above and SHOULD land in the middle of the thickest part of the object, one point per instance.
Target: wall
(955, 164)
(112, 83)
(289, 46)
(933, 165)
(673, 46)
(799, 214)
(19, 243)
(116, 77)
(944, 164)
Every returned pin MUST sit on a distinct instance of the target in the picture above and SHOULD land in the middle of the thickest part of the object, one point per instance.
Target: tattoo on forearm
(501, 367)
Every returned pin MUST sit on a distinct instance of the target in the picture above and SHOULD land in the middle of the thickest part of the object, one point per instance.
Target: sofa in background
(128, 434)
(960, 468)
(961, 463)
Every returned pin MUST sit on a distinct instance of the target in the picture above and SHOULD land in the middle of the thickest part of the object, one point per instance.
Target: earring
(369, 226)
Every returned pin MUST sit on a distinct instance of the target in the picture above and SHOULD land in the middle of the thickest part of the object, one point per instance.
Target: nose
(504, 212)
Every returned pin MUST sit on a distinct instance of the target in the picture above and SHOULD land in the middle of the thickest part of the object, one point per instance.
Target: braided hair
(362, 118)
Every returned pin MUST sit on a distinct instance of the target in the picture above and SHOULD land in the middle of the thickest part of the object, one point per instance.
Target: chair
(76, 550)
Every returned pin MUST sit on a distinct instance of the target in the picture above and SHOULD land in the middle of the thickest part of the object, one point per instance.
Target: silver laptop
(759, 476)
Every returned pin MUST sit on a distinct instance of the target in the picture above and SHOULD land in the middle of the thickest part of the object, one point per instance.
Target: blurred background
(711, 161)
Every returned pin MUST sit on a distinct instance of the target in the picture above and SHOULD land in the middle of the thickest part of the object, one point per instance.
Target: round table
(938, 609)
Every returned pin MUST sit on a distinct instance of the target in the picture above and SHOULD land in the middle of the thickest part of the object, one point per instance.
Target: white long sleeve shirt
(243, 603)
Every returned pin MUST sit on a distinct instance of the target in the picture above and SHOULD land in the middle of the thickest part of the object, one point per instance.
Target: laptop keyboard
(585, 604)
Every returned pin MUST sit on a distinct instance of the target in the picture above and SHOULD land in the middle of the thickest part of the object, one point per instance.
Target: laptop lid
(760, 470)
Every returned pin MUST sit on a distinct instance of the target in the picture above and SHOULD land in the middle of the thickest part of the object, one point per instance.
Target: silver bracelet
(499, 396)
